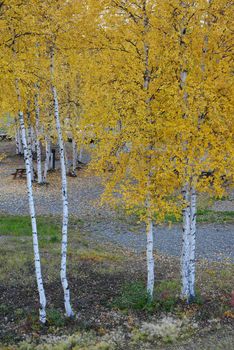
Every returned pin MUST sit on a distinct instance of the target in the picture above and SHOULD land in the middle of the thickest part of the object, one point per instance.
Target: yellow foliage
(118, 72)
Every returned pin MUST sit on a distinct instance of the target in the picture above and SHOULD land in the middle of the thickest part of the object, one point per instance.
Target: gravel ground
(214, 241)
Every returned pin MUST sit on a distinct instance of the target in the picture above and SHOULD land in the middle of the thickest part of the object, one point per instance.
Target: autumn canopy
(148, 83)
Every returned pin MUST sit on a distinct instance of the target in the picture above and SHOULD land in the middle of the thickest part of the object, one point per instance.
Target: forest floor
(108, 295)
(106, 272)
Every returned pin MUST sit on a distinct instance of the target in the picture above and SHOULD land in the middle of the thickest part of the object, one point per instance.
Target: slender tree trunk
(186, 190)
(51, 159)
(146, 83)
(30, 144)
(42, 310)
(185, 245)
(18, 141)
(65, 156)
(74, 156)
(38, 143)
(63, 273)
(150, 259)
(21, 150)
(17, 147)
(33, 140)
(47, 159)
(192, 243)
(80, 154)
(63, 270)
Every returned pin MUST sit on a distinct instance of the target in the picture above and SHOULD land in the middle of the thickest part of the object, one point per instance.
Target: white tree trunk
(150, 259)
(42, 310)
(185, 246)
(149, 228)
(38, 143)
(19, 146)
(192, 243)
(74, 155)
(18, 139)
(17, 150)
(63, 274)
(33, 140)
(30, 145)
(48, 157)
(65, 156)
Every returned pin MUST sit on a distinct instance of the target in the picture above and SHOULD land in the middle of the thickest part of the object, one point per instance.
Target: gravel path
(214, 241)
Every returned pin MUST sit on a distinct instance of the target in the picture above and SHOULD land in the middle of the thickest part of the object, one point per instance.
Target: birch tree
(198, 148)
(154, 90)
(40, 286)
(38, 142)
(30, 140)
(126, 119)
(63, 268)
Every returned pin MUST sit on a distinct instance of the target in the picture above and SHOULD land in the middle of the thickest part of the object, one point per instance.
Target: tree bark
(33, 140)
(38, 143)
(65, 156)
(150, 259)
(19, 147)
(18, 142)
(192, 243)
(30, 145)
(74, 156)
(146, 83)
(17, 139)
(185, 245)
(48, 157)
(63, 273)
(40, 286)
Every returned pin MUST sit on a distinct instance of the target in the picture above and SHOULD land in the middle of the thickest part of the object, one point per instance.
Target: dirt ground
(97, 277)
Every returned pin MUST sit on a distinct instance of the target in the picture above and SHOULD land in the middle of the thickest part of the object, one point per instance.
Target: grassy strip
(49, 228)
(21, 226)
(207, 215)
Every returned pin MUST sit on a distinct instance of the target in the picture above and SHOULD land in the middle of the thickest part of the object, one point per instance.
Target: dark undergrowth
(108, 296)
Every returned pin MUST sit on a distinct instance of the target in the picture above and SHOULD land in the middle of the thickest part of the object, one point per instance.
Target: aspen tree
(19, 79)
(119, 110)
(38, 142)
(198, 148)
(59, 40)
(42, 298)
(125, 120)
(30, 140)
(154, 90)
(63, 269)
(47, 165)
(42, 310)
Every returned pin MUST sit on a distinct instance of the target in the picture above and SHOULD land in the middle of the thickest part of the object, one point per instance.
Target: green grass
(134, 296)
(55, 318)
(203, 215)
(206, 215)
(166, 297)
(20, 226)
